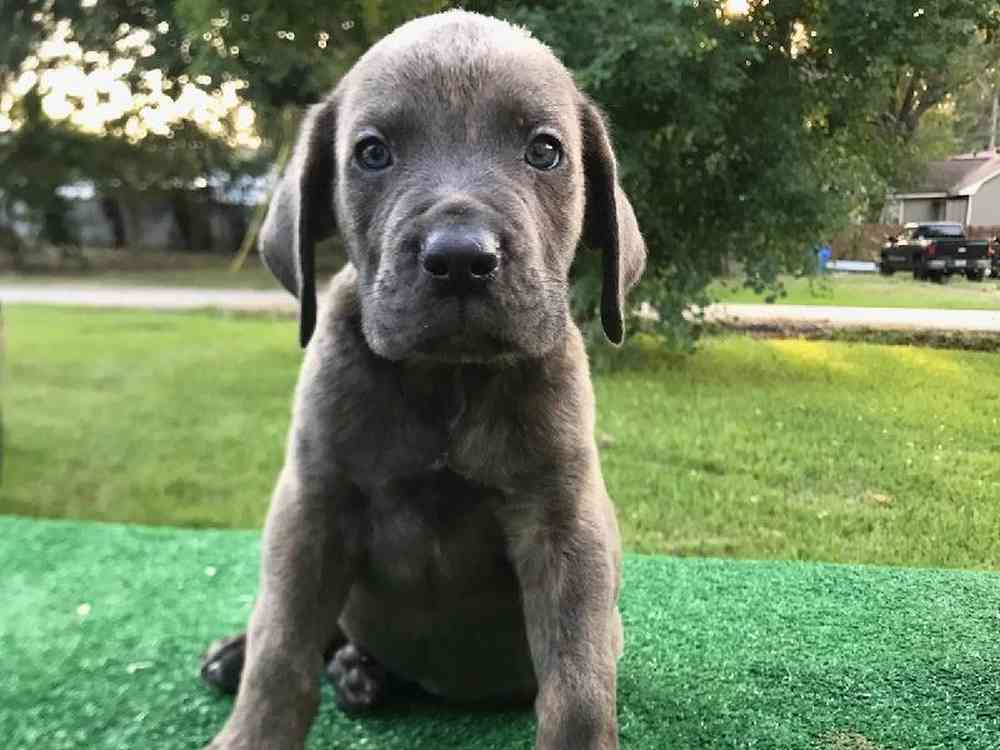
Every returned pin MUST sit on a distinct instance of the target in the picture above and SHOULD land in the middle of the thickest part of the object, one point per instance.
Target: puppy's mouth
(462, 335)
(480, 349)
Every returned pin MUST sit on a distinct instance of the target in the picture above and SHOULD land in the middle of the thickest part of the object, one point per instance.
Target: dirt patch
(878, 499)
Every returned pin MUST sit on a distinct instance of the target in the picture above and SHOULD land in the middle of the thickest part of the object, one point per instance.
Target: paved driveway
(149, 298)
(160, 298)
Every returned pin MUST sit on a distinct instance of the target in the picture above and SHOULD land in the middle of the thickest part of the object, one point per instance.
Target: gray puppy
(441, 519)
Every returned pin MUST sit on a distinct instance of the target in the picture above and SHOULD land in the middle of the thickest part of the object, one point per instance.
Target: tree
(290, 53)
(898, 62)
(976, 110)
(103, 94)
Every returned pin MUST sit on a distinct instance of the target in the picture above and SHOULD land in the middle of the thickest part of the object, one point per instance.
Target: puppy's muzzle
(459, 260)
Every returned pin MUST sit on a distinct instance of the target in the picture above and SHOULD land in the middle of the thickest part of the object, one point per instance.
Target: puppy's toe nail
(355, 681)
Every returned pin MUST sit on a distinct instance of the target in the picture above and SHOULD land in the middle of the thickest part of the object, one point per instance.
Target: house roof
(959, 175)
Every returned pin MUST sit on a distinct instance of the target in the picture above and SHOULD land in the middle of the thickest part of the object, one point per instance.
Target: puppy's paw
(359, 682)
(222, 663)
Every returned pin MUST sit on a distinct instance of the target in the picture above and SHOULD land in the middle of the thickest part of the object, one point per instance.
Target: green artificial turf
(101, 627)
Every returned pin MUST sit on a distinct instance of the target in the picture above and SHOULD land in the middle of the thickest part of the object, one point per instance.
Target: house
(964, 189)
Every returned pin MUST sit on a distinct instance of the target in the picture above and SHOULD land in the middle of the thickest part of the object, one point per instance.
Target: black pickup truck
(935, 251)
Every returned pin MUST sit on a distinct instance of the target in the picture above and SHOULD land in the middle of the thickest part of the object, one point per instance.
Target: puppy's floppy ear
(609, 221)
(301, 213)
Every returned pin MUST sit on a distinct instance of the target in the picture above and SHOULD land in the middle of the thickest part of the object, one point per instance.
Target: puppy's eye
(544, 152)
(372, 153)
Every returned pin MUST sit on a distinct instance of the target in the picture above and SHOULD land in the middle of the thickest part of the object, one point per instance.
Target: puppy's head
(461, 166)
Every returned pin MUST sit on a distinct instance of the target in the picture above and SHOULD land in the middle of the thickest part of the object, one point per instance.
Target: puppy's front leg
(566, 555)
(307, 563)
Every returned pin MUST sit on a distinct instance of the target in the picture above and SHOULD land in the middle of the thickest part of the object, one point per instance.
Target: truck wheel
(885, 270)
(974, 275)
(939, 277)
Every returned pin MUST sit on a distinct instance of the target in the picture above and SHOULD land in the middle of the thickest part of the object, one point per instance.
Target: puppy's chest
(440, 429)
(433, 532)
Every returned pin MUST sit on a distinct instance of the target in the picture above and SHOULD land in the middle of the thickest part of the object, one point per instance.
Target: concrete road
(149, 298)
(160, 298)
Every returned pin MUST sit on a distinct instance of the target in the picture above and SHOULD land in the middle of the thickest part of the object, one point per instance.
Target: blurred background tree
(104, 93)
(290, 53)
(977, 112)
(748, 130)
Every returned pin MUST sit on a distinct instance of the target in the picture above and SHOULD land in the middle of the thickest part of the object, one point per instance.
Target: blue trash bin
(823, 256)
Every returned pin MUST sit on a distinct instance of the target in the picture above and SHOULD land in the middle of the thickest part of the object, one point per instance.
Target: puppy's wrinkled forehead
(461, 66)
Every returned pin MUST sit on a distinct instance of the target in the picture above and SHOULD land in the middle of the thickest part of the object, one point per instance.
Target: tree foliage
(118, 60)
(897, 66)
(973, 113)
(291, 52)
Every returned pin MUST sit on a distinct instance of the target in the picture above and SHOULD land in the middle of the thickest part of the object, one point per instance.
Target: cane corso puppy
(441, 520)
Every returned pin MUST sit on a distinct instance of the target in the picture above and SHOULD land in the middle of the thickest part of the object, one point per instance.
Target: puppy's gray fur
(441, 499)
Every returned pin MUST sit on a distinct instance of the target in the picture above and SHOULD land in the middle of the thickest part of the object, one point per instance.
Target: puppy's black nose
(459, 259)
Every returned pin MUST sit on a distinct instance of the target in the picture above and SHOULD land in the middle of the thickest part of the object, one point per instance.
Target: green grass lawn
(756, 449)
(873, 290)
